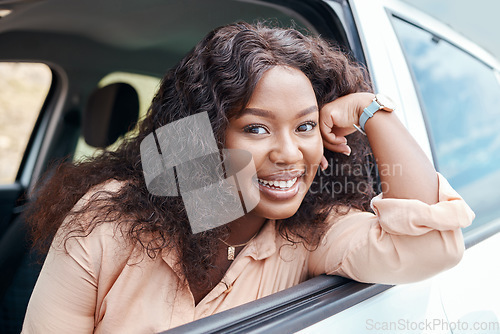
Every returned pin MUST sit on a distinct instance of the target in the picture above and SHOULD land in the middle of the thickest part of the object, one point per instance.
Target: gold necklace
(232, 248)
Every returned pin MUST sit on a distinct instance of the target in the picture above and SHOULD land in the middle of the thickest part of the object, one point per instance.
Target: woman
(124, 260)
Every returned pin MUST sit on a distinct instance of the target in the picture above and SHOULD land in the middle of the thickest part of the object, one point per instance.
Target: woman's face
(279, 127)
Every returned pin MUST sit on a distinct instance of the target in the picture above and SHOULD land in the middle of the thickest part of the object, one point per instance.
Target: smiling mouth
(278, 184)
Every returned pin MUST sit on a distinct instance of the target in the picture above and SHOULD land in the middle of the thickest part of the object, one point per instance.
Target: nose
(286, 150)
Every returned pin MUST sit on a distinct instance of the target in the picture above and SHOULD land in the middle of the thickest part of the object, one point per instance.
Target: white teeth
(279, 184)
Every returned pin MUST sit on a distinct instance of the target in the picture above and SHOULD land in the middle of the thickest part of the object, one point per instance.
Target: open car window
(310, 299)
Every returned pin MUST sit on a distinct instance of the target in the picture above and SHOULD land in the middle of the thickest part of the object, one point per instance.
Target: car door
(450, 88)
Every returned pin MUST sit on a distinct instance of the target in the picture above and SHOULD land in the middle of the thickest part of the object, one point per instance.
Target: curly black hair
(218, 76)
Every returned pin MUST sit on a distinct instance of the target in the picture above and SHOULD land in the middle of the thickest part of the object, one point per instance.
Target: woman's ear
(324, 163)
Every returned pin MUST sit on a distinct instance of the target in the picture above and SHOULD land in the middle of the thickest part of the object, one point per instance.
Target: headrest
(109, 114)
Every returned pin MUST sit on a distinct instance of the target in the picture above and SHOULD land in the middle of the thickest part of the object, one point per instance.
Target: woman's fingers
(338, 117)
(339, 148)
(332, 138)
(324, 163)
(330, 133)
(345, 111)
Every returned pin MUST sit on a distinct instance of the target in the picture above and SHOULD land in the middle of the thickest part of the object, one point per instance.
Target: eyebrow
(270, 114)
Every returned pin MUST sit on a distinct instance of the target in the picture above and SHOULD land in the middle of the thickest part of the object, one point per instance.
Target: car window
(23, 90)
(145, 85)
(460, 96)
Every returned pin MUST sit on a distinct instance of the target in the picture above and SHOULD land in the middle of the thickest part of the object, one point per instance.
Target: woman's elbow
(440, 255)
(454, 248)
(432, 254)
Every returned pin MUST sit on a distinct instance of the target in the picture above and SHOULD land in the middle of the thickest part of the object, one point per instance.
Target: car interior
(84, 41)
(108, 115)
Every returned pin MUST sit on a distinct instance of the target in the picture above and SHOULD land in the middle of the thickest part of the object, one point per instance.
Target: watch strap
(368, 113)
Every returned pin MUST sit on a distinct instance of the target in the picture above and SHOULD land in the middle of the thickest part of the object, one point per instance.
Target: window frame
(39, 151)
(37, 128)
(289, 310)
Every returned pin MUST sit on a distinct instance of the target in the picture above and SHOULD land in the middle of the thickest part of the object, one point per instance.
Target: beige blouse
(100, 286)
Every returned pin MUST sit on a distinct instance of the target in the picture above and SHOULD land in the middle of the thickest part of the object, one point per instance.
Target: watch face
(385, 102)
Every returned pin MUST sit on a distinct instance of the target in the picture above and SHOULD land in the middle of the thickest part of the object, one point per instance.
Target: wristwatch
(379, 102)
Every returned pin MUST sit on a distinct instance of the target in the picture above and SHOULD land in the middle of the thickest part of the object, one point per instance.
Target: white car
(447, 90)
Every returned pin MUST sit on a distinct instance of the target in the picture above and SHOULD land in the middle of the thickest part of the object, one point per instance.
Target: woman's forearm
(404, 169)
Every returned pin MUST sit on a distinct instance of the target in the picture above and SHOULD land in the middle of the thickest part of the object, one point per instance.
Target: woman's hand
(337, 119)
(405, 171)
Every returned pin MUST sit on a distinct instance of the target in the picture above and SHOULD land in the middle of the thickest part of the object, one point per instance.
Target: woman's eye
(308, 126)
(255, 129)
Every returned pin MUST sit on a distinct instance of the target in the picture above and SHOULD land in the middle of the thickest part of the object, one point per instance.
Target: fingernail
(348, 152)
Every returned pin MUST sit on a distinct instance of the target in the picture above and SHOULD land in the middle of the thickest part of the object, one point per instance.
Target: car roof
(164, 29)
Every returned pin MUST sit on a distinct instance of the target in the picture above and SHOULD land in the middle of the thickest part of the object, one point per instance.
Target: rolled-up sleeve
(404, 241)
